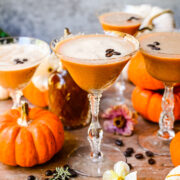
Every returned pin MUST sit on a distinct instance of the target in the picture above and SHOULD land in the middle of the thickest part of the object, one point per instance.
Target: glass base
(152, 142)
(80, 160)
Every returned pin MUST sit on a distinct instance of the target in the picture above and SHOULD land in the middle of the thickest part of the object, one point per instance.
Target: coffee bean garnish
(109, 54)
(139, 156)
(151, 161)
(133, 17)
(25, 60)
(31, 177)
(18, 61)
(149, 154)
(119, 142)
(109, 50)
(130, 166)
(130, 150)
(154, 47)
(151, 45)
(156, 43)
(48, 173)
(116, 53)
(127, 154)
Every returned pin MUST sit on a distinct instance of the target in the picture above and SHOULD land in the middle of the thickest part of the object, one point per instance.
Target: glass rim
(120, 12)
(46, 54)
(110, 60)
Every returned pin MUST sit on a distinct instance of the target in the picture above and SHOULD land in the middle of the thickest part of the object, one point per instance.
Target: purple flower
(120, 120)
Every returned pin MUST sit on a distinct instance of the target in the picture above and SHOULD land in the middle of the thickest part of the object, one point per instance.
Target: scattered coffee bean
(156, 43)
(116, 53)
(130, 166)
(149, 154)
(130, 150)
(151, 161)
(109, 54)
(139, 156)
(127, 154)
(48, 173)
(132, 17)
(66, 166)
(54, 172)
(119, 142)
(109, 50)
(72, 172)
(31, 177)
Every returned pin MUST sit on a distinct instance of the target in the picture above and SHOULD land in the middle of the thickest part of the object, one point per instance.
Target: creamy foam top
(12, 54)
(120, 19)
(168, 43)
(91, 47)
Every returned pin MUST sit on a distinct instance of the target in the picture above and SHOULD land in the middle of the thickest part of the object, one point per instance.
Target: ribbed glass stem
(95, 132)
(166, 121)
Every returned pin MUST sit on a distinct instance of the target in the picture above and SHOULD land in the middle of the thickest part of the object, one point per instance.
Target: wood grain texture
(74, 138)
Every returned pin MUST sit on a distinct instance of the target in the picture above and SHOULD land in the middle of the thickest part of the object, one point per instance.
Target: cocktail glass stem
(166, 121)
(16, 97)
(95, 132)
(120, 86)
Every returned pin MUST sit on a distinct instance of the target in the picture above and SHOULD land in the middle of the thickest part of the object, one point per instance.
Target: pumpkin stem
(23, 120)
(66, 32)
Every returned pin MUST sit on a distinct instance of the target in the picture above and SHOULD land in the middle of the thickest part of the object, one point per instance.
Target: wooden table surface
(73, 138)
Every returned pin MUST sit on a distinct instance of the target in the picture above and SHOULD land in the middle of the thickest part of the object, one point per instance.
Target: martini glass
(113, 23)
(162, 58)
(84, 57)
(19, 59)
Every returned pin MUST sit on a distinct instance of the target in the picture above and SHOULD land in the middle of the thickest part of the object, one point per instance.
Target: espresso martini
(95, 61)
(120, 21)
(162, 55)
(18, 63)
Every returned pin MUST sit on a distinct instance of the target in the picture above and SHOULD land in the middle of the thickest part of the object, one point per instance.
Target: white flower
(174, 174)
(131, 176)
(110, 175)
(122, 169)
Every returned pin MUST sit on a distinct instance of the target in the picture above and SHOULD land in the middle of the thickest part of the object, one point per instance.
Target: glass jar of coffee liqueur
(67, 100)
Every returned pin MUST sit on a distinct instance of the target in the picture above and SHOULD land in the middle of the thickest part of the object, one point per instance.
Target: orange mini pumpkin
(148, 103)
(36, 96)
(139, 76)
(33, 144)
(175, 150)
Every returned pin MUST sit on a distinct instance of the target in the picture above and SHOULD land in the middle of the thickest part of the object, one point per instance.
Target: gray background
(46, 19)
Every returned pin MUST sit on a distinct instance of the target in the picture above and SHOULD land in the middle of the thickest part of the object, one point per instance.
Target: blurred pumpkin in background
(148, 103)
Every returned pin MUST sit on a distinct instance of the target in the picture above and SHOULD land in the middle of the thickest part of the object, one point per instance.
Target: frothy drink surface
(167, 44)
(19, 56)
(94, 47)
(121, 19)
(161, 51)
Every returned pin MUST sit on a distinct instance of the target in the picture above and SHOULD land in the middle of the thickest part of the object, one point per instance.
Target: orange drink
(94, 62)
(120, 21)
